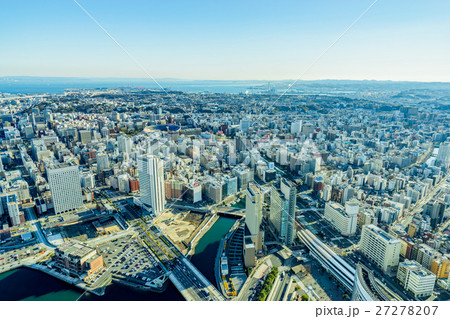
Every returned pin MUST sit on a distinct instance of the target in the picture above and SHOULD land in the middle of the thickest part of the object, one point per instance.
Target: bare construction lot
(179, 225)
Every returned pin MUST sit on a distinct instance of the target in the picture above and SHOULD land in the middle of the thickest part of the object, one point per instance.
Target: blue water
(207, 247)
(57, 86)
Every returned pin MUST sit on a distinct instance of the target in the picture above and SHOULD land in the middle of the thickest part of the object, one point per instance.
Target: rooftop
(75, 248)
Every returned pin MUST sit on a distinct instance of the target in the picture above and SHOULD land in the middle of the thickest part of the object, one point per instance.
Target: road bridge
(37, 228)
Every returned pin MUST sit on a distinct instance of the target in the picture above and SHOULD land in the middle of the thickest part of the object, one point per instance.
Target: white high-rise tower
(151, 182)
(124, 144)
(253, 212)
(65, 186)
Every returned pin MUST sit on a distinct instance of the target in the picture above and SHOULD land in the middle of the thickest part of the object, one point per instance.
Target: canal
(29, 284)
(206, 249)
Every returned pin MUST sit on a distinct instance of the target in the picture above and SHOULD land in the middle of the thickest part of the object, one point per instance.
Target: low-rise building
(78, 259)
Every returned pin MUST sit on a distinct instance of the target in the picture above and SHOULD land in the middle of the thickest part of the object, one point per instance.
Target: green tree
(268, 283)
(305, 298)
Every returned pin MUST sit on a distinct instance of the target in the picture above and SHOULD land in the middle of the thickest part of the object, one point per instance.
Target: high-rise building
(85, 136)
(343, 219)
(13, 210)
(102, 162)
(87, 180)
(230, 186)
(213, 191)
(244, 176)
(416, 279)
(296, 127)
(65, 186)
(245, 124)
(194, 192)
(443, 156)
(151, 182)
(282, 210)
(253, 212)
(437, 213)
(249, 252)
(124, 144)
(123, 183)
(365, 218)
(278, 215)
(380, 247)
(9, 206)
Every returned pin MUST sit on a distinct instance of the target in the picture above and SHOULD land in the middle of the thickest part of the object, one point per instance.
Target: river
(29, 284)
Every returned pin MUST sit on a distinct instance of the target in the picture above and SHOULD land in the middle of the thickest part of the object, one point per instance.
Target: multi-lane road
(406, 220)
(191, 283)
(37, 228)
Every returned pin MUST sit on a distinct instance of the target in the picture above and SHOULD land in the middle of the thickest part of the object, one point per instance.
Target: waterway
(29, 284)
(206, 249)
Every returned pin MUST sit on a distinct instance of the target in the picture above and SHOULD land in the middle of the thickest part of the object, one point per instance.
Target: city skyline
(213, 41)
(226, 151)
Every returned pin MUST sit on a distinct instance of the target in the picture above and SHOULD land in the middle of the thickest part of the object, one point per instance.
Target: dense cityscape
(341, 194)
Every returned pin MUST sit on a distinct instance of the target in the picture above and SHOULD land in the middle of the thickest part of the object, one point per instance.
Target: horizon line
(212, 80)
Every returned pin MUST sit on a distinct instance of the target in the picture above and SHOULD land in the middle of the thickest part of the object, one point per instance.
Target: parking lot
(11, 256)
(130, 260)
(322, 283)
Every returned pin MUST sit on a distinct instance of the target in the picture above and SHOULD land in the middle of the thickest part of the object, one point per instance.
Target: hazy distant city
(337, 190)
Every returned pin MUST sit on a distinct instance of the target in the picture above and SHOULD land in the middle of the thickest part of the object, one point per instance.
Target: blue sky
(227, 40)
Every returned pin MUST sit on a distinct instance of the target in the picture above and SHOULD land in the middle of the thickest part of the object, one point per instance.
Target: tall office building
(85, 136)
(151, 182)
(437, 213)
(443, 156)
(65, 186)
(282, 210)
(245, 124)
(278, 215)
(253, 213)
(13, 210)
(380, 247)
(296, 127)
(102, 162)
(124, 144)
(87, 180)
(9, 206)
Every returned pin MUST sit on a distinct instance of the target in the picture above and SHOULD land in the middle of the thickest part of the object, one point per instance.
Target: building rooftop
(387, 237)
(75, 248)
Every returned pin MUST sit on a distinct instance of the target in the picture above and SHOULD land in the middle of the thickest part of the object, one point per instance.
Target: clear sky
(227, 39)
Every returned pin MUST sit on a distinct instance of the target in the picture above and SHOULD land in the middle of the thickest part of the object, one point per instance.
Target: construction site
(184, 227)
